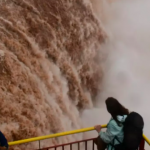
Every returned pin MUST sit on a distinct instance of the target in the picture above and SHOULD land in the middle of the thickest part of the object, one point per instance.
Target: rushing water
(49, 70)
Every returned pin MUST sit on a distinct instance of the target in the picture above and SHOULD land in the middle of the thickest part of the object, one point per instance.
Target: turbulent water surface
(49, 70)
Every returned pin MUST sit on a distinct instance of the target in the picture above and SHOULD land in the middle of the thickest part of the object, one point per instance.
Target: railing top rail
(146, 139)
(53, 135)
(61, 134)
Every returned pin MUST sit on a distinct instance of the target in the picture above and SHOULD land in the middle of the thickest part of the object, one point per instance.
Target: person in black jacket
(3, 142)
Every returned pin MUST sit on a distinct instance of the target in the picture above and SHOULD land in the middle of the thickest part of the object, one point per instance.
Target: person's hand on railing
(98, 128)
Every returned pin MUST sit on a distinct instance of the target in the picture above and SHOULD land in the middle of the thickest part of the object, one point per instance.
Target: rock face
(49, 68)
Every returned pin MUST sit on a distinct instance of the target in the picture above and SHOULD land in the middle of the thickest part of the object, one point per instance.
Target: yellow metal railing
(61, 134)
(146, 139)
(52, 136)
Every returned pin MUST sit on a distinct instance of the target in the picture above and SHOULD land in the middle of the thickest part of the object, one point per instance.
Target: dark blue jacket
(3, 140)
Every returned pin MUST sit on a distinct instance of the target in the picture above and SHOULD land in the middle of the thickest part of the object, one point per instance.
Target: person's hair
(115, 108)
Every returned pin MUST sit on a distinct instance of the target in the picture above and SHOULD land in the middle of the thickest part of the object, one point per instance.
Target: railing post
(70, 146)
(142, 145)
(85, 145)
(39, 145)
(78, 145)
(93, 144)
(63, 147)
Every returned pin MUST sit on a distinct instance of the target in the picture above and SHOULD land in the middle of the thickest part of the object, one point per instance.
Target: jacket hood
(121, 118)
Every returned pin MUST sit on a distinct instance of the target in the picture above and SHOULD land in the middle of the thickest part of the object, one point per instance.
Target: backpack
(133, 132)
